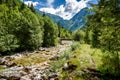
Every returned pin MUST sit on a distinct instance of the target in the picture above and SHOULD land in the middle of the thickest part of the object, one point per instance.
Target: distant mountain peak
(66, 9)
(74, 23)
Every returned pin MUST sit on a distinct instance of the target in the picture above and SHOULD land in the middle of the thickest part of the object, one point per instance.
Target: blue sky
(63, 8)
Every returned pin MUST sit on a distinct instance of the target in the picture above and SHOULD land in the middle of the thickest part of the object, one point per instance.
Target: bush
(57, 65)
(79, 35)
(75, 45)
(66, 55)
(110, 64)
(8, 43)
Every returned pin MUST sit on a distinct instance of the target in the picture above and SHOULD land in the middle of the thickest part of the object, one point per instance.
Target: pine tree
(32, 7)
(50, 32)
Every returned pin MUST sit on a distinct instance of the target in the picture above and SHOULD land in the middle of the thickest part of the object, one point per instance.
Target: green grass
(58, 64)
(31, 59)
(87, 57)
(2, 68)
(81, 55)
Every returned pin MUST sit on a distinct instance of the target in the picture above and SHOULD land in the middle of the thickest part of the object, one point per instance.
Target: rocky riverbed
(32, 65)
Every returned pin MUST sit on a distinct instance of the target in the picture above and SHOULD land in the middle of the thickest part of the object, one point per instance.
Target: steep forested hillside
(21, 28)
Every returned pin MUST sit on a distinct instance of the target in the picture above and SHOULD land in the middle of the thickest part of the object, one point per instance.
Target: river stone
(23, 73)
(26, 77)
(52, 75)
(2, 79)
(37, 77)
(5, 60)
(44, 77)
(14, 76)
(11, 64)
(26, 69)
(42, 49)
(54, 57)
(54, 79)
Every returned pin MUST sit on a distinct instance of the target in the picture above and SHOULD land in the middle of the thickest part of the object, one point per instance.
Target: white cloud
(49, 3)
(31, 2)
(68, 10)
(48, 10)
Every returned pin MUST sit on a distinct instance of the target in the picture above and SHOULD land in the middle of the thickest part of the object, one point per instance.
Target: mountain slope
(74, 23)
(79, 19)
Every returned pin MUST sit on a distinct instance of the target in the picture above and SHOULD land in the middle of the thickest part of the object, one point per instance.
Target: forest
(89, 53)
(21, 28)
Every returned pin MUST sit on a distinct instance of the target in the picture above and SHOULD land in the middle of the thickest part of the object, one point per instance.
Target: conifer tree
(50, 32)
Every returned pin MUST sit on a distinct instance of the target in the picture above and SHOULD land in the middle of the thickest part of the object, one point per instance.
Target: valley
(59, 40)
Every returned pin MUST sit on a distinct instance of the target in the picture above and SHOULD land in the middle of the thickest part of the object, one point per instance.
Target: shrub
(79, 35)
(75, 45)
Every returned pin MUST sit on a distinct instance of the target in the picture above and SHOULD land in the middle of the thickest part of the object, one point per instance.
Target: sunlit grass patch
(2, 67)
(31, 59)
(88, 57)
(85, 57)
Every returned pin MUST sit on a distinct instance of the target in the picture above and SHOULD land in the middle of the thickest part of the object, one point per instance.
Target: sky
(63, 8)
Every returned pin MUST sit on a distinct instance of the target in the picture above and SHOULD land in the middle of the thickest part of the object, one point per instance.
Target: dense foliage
(50, 32)
(79, 35)
(21, 28)
(63, 33)
(105, 28)
(102, 31)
